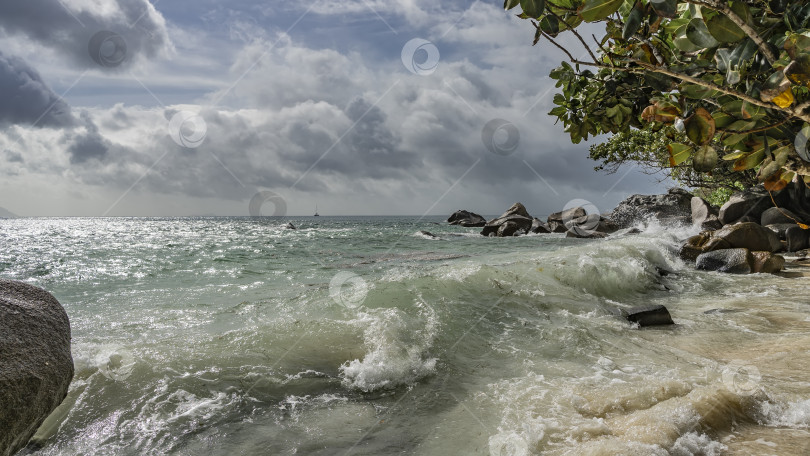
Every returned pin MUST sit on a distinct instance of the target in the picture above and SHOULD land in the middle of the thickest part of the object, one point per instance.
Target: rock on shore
(36, 366)
(466, 218)
(516, 220)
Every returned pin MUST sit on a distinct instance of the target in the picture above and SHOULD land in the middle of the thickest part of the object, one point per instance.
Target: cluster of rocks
(36, 366)
(517, 221)
(742, 236)
(747, 232)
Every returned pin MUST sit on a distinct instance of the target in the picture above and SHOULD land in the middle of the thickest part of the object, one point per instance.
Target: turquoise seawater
(359, 335)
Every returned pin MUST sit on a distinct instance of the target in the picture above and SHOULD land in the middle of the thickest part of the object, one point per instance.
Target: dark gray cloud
(68, 27)
(27, 99)
(87, 145)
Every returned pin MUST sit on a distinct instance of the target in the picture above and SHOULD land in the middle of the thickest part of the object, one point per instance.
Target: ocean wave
(396, 350)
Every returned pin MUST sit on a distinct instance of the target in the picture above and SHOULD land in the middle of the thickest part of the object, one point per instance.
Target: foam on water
(226, 336)
(396, 350)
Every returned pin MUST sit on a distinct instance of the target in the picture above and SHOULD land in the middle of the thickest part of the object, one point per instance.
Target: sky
(363, 107)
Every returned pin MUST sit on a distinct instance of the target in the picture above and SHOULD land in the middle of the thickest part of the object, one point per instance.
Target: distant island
(4, 213)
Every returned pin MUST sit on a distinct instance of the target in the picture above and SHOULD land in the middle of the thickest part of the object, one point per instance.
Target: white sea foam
(396, 350)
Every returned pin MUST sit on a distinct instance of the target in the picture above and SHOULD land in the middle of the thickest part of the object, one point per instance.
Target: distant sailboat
(316, 211)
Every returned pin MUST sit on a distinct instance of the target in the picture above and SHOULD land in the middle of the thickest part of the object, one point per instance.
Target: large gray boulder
(35, 362)
(752, 203)
(519, 218)
(675, 204)
(704, 214)
(565, 216)
(539, 226)
(778, 215)
(735, 261)
(751, 236)
(797, 238)
(767, 262)
(466, 218)
(781, 229)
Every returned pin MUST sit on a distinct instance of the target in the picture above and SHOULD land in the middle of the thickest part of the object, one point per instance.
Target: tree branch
(723, 8)
(579, 37)
(710, 85)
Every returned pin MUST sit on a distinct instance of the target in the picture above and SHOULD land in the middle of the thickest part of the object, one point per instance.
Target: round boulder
(778, 215)
(467, 219)
(751, 236)
(36, 366)
(735, 261)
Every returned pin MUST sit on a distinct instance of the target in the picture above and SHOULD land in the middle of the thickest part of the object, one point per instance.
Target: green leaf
(509, 4)
(704, 159)
(721, 119)
(633, 22)
(550, 24)
(700, 127)
(737, 154)
(665, 8)
(724, 29)
(596, 10)
(802, 143)
(699, 35)
(768, 168)
(533, 8)
(750, 160)
(678, 153)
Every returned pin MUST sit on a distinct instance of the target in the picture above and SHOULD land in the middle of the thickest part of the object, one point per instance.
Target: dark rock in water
(675, 203)
(797, 238)
(767, 262)
(720, 311)
(751, 236)
(777, 215)
(752, 202)
(698, 244)
(585, 225)
(557, 227)
(780, 229)
(520, 220)
(539, 227)
(712, 223)
(428, 234)
(35, 362)
(510, 228)
(662, 272)
(655, 315)
(467, 219)
(735, 261)
(289, 226)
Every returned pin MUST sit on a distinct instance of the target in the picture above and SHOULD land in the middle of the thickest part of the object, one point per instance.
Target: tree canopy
(726, 83)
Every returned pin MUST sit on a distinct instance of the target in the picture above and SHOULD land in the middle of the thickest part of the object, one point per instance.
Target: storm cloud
(27, 99)
(69, 28)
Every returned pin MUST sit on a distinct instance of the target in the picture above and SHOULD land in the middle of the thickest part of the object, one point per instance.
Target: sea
(366, 336)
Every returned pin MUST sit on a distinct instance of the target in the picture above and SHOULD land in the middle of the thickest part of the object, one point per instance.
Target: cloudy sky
(178, 107)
